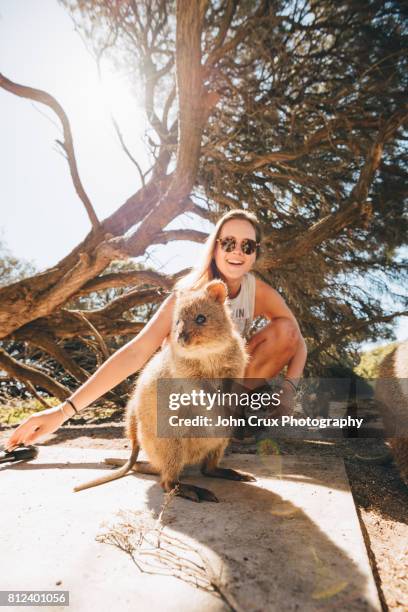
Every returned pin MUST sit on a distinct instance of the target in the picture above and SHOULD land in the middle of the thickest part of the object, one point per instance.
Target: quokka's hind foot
(191, 492)
(228, 473)
(114, 461)
(141, 467)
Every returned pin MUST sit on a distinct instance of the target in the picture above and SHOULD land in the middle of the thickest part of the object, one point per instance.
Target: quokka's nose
(184, 336)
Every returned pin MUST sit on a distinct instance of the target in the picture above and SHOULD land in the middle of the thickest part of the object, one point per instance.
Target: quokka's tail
(114, 474)
(131, 430)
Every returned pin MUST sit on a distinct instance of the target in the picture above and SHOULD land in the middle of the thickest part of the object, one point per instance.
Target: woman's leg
(272, 348)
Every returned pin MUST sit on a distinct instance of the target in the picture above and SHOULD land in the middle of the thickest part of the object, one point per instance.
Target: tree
(12, 268)
(296, 110)
(71, 358)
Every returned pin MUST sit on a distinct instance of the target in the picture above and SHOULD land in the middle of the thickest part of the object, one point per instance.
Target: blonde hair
(206, 269)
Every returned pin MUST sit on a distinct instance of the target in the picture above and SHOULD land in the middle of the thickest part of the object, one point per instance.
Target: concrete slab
(290, 541)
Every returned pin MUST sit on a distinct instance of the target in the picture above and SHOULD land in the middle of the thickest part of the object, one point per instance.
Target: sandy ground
(380, 496)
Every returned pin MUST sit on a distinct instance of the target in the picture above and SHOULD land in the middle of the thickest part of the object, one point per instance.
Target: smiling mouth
(234, 262)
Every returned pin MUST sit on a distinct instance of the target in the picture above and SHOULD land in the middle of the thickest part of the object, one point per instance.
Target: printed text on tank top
(243, 304)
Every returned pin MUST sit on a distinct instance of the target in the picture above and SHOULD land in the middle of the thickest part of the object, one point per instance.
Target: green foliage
(11, 268)
(370, 361)
(303, 96)
(15, 410)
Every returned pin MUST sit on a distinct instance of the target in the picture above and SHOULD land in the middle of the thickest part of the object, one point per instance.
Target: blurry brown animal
(203, 345)
(391, 392)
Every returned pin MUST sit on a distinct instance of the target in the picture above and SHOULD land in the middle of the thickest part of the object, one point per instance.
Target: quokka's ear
(217, 289)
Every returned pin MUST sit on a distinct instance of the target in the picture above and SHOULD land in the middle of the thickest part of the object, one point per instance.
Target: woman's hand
(38, 425)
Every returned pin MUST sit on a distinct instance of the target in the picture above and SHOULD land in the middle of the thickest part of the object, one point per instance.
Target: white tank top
(243, 305)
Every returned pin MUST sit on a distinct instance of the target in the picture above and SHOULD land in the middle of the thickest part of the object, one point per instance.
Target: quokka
(204, 344)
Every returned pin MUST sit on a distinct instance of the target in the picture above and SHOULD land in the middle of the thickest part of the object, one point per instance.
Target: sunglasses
(228, 244)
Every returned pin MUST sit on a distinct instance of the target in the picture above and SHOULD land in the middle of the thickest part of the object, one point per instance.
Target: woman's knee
(287, 333)
(280, 336)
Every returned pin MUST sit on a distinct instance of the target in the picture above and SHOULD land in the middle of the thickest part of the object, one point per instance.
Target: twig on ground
(155, 551)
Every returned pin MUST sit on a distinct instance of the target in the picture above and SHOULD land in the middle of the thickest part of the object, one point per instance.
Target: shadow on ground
(274, 556)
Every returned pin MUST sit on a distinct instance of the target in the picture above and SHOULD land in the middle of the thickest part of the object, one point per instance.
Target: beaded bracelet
(69, 401)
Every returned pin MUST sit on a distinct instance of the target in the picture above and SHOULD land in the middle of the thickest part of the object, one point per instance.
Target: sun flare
(115, 91)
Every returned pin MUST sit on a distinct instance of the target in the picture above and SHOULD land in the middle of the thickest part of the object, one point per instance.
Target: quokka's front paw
(193, 493)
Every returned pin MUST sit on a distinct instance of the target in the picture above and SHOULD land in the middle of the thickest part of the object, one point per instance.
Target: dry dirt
(380, 496)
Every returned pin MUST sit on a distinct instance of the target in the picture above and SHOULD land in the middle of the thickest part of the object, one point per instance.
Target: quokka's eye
(178, 321)
(200, 319)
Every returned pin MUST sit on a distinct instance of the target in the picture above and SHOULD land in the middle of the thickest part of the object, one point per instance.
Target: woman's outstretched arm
(128, 359)
(124, 362)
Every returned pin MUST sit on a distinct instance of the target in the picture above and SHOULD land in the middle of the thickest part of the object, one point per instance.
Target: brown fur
(213, 350)
(392, 393)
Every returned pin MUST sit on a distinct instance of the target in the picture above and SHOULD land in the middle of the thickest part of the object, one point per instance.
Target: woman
(230, 252)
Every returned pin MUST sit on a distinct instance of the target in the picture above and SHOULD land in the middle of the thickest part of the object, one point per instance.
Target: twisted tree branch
(32, 375)
(45, 98)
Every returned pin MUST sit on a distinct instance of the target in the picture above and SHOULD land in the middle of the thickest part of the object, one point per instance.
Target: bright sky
(42, 218)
